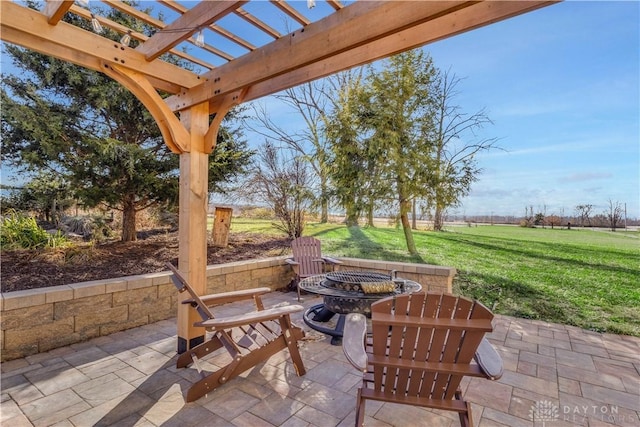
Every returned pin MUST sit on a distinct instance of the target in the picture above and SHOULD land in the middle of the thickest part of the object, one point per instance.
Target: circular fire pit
(349, 292)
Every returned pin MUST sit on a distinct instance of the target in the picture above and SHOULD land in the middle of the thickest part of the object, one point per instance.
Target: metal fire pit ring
(343, 295)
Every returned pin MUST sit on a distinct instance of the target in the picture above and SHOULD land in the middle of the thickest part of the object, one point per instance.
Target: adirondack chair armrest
(330, 260)
(489, 360)
(232, 296)
(355, 330)
(249, 318)
(290, 261)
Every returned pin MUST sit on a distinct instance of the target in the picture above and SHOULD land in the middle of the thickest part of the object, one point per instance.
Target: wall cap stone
(25, 298)
(30, 297)
(59, 293)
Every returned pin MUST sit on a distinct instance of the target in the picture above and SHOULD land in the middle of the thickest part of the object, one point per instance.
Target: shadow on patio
(129, 378)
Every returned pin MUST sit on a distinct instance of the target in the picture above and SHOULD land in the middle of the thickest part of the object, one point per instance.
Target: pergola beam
(105, 22)
(365, 30)
(55, 10)
(213, 27)
(156, 23)
(291, 12)
(29, 28)
(181, 29)
(462, 20)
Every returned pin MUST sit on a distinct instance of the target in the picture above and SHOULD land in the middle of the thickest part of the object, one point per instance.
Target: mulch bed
(37, 269)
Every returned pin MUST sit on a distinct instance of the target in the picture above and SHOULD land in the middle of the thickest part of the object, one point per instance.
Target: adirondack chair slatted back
(307, 252)
(425, 327)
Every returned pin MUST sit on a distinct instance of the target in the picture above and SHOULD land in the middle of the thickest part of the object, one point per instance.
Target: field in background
(578, 277)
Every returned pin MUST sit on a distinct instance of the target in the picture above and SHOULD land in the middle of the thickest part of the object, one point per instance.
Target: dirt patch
(37, 269)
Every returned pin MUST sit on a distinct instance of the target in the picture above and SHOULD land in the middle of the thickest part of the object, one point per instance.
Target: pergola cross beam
(365, 30)
(193, 20)
(56, 9)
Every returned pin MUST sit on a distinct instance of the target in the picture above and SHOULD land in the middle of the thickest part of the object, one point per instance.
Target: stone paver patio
(555, 375)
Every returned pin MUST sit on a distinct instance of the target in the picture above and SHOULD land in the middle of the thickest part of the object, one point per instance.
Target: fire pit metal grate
(357, 276)
(342, 293)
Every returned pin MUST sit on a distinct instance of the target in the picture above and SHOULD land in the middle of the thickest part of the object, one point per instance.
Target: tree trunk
(351, 220)
(54, 213)
(438, 218)
(405, 208)
(129, 220)
(324, 201)
(324, 212)
(414, 221)
(370, 215)
(351, 214)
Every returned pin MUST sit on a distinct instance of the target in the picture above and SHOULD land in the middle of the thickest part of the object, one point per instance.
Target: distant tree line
(583, 215)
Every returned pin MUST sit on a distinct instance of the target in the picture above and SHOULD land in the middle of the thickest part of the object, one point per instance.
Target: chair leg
(360, 409)
(240, 364)
(291, 336)
(465, 417)
(199, 351)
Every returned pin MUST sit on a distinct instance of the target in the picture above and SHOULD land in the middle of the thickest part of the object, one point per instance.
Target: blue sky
(562, 87)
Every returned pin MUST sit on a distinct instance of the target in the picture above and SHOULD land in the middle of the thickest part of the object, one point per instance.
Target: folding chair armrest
(232, 296)
(489, 360)
(355, 330)
(330, 260)
(249, 318)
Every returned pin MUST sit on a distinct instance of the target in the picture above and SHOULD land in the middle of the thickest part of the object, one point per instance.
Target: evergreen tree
(94, 133)
(348, 150)
(400, 103)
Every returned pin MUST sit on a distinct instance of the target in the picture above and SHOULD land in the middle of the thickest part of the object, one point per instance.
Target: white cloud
(586, 176)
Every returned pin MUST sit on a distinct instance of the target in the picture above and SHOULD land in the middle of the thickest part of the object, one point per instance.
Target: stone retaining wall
(39, 320)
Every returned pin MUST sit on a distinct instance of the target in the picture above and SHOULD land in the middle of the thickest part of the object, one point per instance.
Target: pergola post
(192, 253)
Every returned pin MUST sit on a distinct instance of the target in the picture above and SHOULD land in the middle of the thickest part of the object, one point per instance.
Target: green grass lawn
(585, 278)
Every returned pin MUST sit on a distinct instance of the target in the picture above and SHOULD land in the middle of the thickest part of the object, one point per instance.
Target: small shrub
(258, 213)
(81, 225)
(69, 255)
(525, 223)
(22, 232)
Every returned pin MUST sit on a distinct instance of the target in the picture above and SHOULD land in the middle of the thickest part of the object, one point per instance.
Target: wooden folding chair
(307, 259)
(248, 338)
(420, 347)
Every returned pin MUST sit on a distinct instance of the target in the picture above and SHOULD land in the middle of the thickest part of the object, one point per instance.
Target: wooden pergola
(338, 39)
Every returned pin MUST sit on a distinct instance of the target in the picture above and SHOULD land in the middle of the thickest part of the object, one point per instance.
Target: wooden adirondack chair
(421, 346)
(307, 259)
(249, 338)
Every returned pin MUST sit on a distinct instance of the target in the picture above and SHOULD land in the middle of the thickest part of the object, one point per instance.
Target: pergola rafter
(321, 43)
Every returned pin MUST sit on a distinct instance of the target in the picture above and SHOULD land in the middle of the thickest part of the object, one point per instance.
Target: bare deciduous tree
(455, 145)
(614, 214)
(282, 183)
(309, 101)
(584, 211)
